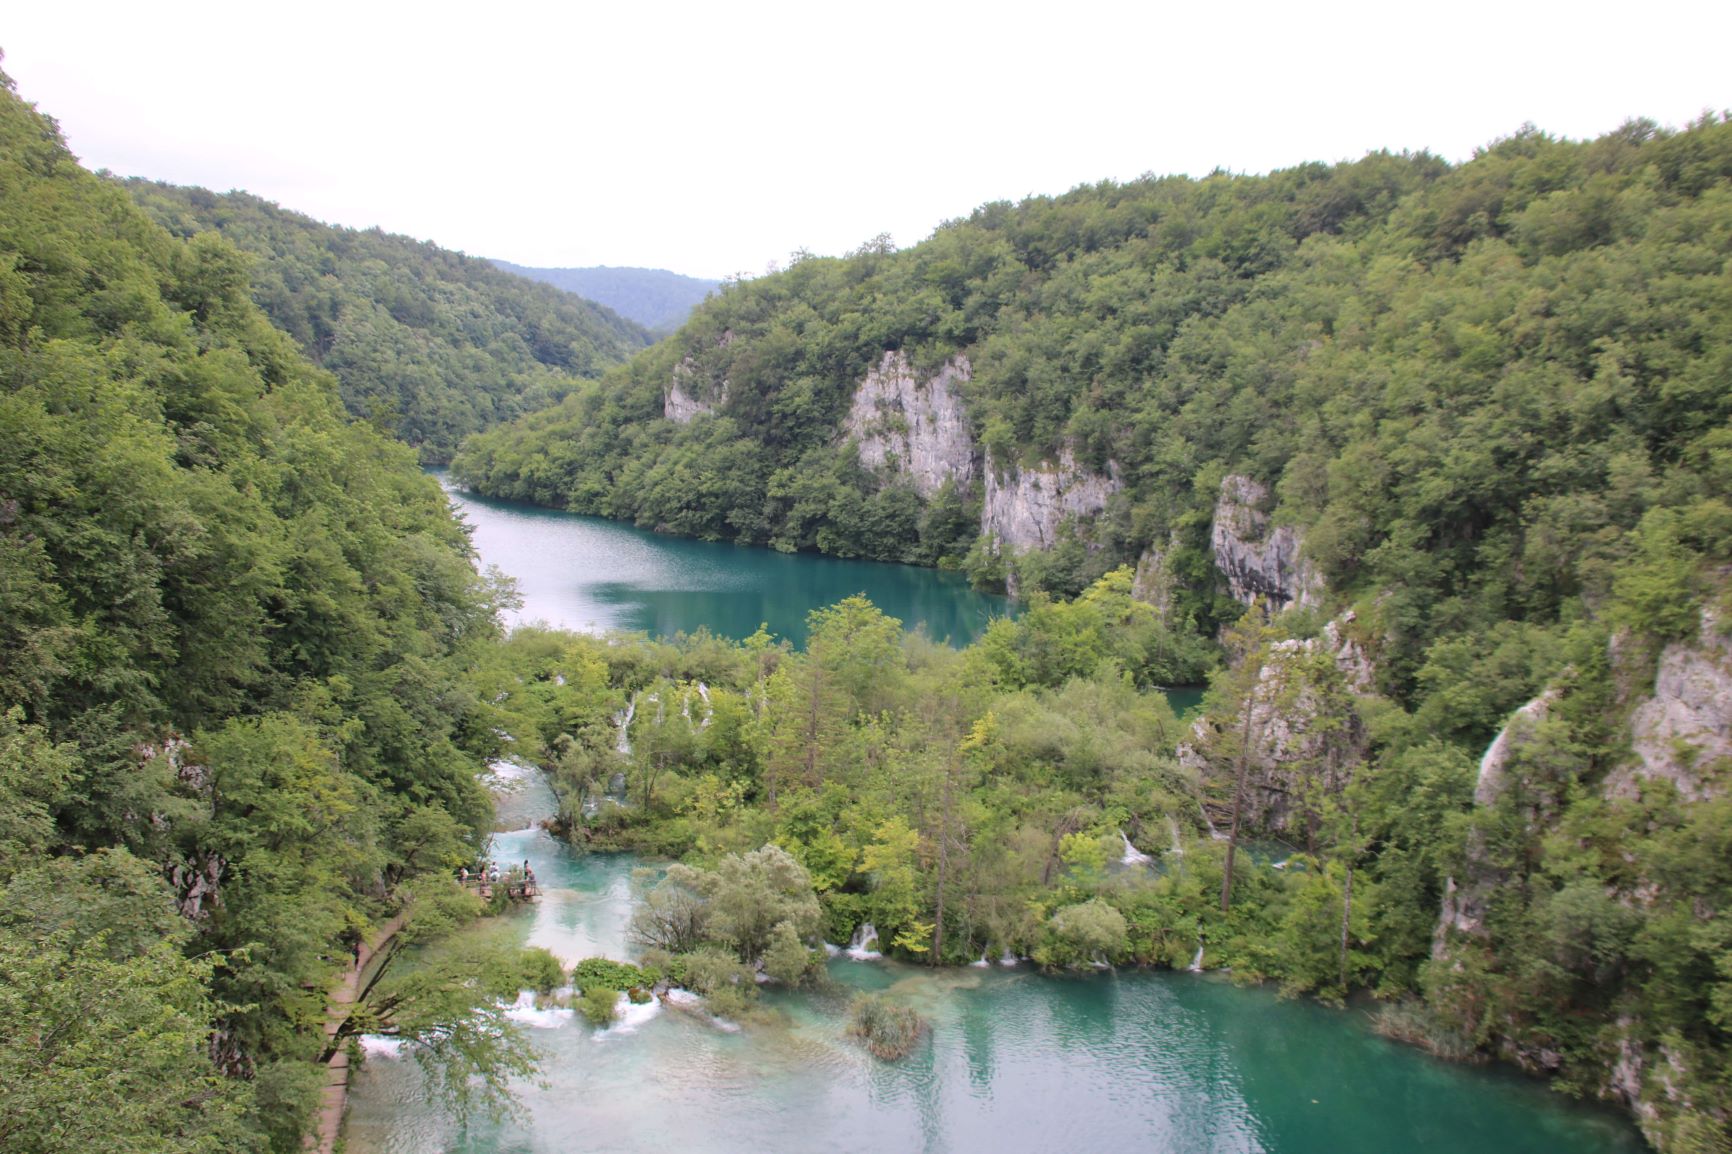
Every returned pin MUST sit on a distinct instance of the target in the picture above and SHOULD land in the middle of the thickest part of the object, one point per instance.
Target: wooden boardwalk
(323, 1138)
(335, 1095)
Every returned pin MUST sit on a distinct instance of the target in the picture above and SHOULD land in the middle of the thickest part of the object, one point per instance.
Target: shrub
(787, 959)
(888, 1028)
(1086, 932)
(610, 974)
(542, 972)
(599, 1004)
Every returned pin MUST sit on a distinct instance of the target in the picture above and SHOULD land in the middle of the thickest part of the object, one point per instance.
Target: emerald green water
(1016, 1061)
(594, 575)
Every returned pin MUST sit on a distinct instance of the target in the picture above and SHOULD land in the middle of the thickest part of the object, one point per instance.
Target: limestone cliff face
(696, 388)
(1259, 561)
(1464, 900)
(197, 880)
(1025, 507)
(916, 428)
(1155, 581)
(1683, 732)
(1291, 756)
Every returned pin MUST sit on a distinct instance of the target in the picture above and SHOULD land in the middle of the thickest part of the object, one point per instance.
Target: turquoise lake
(594, 575)
(1015, 1061)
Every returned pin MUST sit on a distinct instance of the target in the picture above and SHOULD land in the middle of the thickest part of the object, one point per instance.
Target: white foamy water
(860, 945)
(1133, 856)
(525, 1012)
(628, 1016)
(381, 1046)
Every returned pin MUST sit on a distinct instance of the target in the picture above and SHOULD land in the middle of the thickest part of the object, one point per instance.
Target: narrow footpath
(342, 1002)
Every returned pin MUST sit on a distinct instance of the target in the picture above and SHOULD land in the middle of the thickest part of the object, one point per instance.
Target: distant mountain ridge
(653, 297)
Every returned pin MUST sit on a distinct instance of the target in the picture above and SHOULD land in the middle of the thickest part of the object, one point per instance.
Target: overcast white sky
(713, 138)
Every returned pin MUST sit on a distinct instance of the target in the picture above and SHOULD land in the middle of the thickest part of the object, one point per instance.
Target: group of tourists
(517, 879)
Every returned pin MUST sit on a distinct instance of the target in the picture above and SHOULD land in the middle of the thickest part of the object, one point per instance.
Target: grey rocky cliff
(1024, 509)
(1464, 902)
(1291, 755)
(695, 389)
(1155, 582)
(1257, 560)
(916, 428)
(1683, 732)
(197, 880)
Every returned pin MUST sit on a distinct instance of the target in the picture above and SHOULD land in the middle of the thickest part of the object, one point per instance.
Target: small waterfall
(860, 945)
(709, 712)
(1214, 834)
(525, 1012)
(623, 718)
(1173, 830)
(1133, 856)
(1008, 958)
(1197, 960)
(982, 963)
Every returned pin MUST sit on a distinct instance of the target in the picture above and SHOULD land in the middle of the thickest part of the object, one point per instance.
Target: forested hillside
(653, 297)
(428, 344)
(234, 728)
(1438, 455)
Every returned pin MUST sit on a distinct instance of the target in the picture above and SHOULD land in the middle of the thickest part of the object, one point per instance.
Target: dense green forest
(427, 344)
(1487, 404)
(235, 727)
(248, 672)
(655, 298)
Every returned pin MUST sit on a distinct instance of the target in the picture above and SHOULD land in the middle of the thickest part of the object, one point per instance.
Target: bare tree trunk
(1238, 799)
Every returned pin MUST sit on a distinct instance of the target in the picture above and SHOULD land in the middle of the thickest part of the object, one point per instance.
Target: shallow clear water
(1016, 1061)
(593, 575)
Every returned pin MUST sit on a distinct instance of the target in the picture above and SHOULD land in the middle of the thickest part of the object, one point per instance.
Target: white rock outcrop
(1517, 732)
(1350, 656)
(1290, 755)
(917, 428)
(1024, 509)
(692, 390)
(1259, 561)
(1464, 902)
(680, 404)
(1684, 731)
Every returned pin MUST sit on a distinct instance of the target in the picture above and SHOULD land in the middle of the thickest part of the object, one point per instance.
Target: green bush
(610, 974)
(888, 1028)
(542, 972)
(599, 1004)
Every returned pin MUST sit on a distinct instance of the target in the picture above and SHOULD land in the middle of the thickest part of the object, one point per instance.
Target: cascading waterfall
(623, 719)
(1197, 960)
(1133, 856)
(860, 945)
